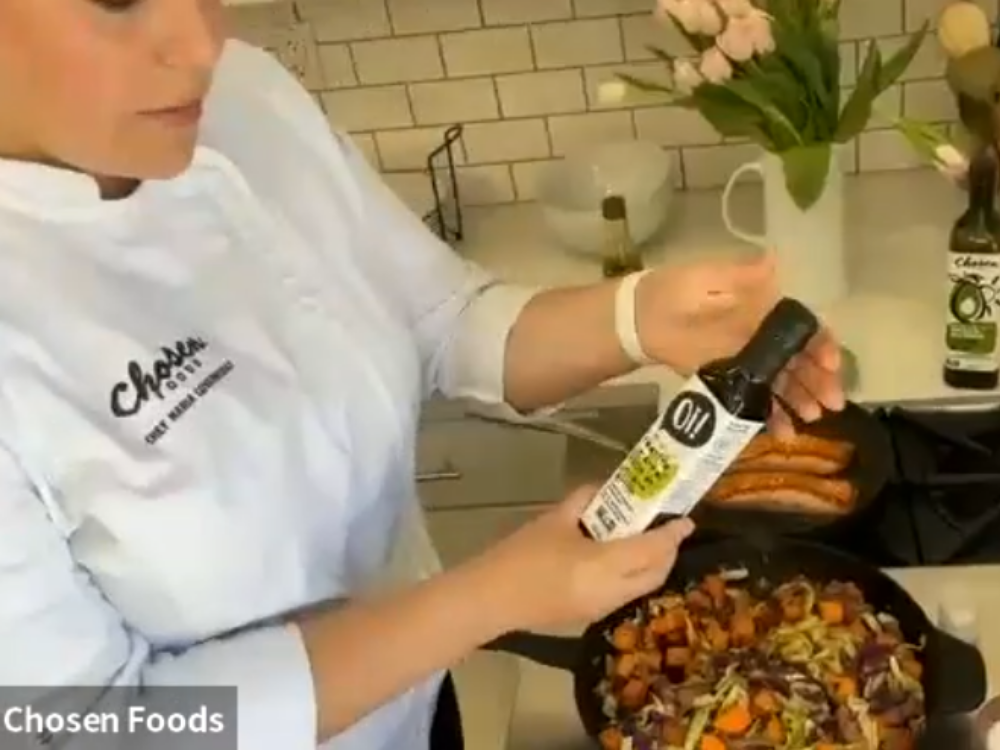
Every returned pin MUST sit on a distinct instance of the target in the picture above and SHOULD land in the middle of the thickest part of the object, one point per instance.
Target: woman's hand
(690, 314)
(548, 573)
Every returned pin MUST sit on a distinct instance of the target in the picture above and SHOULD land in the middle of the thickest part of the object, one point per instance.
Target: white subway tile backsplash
(570, 133)
(524, 77)
(366, 145)
(881, 150)
(929, 100)
(408, 149)
(336, 66)
(928, 63)
(506, 141)
(526, 177)
(590, 8)
(565, 43)
(422, 17)
(674, 126)
(447, 102)
(487, 51)
(653, 72)
(918, 11)
(710, 167)
(542, 93)
(848, 63)
(345, 20)
(413, 188)
(509, 12)
(641, 32)
(371, 108)
(399, 60)
(862, 19)
(485, 185)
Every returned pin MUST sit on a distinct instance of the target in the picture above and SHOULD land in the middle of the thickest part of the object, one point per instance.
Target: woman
(217, 330)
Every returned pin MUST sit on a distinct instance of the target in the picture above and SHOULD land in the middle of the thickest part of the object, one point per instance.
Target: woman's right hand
(548, 573)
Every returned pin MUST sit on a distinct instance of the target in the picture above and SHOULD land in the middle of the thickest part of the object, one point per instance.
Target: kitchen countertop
(893, 318)
(545, 718)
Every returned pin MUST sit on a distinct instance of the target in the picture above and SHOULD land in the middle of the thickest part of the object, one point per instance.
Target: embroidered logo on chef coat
(177, 376)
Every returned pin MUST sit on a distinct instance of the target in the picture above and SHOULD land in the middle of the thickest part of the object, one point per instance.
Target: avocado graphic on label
(967, 301)
(648, 471)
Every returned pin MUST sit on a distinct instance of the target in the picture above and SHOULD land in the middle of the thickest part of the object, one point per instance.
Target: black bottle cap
(613, 208)
(784, 332)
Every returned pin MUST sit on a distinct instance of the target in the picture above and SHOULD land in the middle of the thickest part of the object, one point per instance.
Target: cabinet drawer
(461, 534)
(467, 463)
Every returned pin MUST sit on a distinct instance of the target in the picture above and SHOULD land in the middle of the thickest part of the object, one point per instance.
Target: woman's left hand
(690, 314)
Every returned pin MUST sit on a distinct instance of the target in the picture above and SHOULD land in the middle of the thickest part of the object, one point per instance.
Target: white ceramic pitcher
(809, 244)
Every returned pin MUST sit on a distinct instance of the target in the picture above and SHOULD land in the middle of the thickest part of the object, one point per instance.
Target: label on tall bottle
(973, 312)
(672, 467)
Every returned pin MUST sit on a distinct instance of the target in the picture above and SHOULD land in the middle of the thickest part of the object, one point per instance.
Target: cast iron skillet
(954, 672)
(872, 467)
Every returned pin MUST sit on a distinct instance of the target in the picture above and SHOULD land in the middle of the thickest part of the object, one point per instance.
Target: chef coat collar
(64, 194)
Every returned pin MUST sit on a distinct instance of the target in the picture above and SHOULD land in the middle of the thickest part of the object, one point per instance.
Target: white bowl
(570, 193)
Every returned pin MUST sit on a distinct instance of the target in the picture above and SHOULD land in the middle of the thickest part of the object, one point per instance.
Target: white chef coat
(209, 395)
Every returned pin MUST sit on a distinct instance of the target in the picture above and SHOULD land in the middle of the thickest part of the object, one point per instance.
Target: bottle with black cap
(620, 255)
(701, 432)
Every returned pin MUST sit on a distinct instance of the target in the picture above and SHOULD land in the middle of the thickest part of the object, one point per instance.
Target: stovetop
(948, 486)
(942, 507)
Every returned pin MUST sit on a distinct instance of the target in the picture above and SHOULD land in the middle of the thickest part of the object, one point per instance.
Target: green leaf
(806, 170)
(728, 114)
(896, 65)
(783, 132)
(661, 54)
(643, 85)
(858, 109)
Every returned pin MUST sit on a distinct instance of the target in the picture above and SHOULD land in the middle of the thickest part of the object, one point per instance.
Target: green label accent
(972, 338)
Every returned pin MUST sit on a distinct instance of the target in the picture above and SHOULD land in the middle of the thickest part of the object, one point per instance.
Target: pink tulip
(715, 66)
(746, 36)
(699, 17)
(735, 8)
(686, 77)
(759, 24)
(737, 41)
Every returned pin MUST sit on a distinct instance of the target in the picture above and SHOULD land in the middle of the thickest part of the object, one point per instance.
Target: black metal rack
(445, 218)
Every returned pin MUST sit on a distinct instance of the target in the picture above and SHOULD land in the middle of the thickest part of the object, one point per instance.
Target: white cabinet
(461, 534)
(465, 463)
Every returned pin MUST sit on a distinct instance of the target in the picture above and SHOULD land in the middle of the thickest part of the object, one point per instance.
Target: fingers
(653, 550)
(572, 507)
(793, 391)
(781, 424)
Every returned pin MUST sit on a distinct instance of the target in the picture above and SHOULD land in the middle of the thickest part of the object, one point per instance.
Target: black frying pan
(871, 468)
(954, 672)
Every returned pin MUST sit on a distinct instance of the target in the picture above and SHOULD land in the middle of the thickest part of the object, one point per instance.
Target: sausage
(838, 452)
(784, 491)
(800, 463)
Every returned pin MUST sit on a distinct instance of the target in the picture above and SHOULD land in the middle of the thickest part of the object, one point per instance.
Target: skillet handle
(554, 651)
(960, 686)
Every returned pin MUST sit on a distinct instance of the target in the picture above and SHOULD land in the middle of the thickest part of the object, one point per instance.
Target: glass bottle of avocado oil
(971, 334)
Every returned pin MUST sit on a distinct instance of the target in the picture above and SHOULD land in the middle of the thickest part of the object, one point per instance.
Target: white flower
(686, 76)
(951, 162)
(612, 92)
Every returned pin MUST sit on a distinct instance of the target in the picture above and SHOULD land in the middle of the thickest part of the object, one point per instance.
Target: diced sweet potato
(626, 637)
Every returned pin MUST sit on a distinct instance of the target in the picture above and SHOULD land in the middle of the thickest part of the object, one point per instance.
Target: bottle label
(973, 312)
(672, 467)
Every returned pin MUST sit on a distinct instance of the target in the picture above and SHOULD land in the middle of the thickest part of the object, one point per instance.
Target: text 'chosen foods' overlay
(119, 718)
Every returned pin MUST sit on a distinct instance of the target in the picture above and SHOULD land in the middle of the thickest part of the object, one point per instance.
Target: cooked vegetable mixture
(728, 666)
